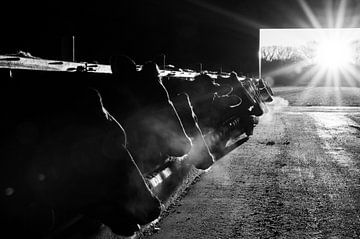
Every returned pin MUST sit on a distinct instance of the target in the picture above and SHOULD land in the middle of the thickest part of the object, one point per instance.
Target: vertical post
(259, 54)
(73, 48)
(260, 63)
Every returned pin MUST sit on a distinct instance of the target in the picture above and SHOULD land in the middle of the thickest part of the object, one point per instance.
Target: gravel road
(298, 176)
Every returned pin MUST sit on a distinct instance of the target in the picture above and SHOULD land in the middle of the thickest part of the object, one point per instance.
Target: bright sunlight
(333, 54)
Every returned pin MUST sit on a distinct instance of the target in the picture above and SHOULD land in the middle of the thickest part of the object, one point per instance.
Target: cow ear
(122, 65)
(150, 69)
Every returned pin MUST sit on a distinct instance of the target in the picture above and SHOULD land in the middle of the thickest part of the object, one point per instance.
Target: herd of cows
(78, 144)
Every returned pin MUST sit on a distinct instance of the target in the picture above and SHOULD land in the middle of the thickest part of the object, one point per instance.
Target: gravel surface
(296, 177)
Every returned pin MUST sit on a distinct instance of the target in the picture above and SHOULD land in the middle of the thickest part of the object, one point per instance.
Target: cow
(216, 108)
(264, 90)
(204, 97)
(154, 131)
(63, 155)
(200, 155)
(187, 94)
(247, 90)
(259, 107)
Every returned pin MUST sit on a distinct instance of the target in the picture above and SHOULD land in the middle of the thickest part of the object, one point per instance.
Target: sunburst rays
(335, 58)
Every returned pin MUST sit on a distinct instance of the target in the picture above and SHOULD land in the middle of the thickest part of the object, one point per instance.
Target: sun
(321, 51)
(333, 54)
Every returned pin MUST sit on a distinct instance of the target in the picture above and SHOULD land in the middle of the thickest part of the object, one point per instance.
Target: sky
(298, 37)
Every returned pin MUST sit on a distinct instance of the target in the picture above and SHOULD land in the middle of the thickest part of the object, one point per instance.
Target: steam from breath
(277, 105)
(200, 153)
(154, 135)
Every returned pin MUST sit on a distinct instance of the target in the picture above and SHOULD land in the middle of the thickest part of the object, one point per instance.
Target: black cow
(217, 108)
(207, 103)
(247, 90)
(200, 154)
(62, 154)
(153, 127)
(265, 91)
(259, 107)
(199, 94)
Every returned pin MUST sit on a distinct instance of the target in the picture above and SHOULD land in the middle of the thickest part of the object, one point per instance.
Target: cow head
(154, 129)
(66, 157)
(199, 154)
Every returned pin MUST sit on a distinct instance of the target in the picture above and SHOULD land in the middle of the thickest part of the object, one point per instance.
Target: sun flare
(333, 54)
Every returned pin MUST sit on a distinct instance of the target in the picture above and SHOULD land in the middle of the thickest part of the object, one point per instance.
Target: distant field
(319, 96)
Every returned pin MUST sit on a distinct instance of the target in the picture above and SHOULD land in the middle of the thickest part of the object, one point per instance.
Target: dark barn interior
(216, 34)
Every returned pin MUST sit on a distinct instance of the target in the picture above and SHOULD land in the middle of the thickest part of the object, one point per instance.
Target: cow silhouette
(153, 127)
(63, 155)
(216, 107)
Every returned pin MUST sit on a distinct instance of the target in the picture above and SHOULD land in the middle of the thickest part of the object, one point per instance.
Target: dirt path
(297, 177)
